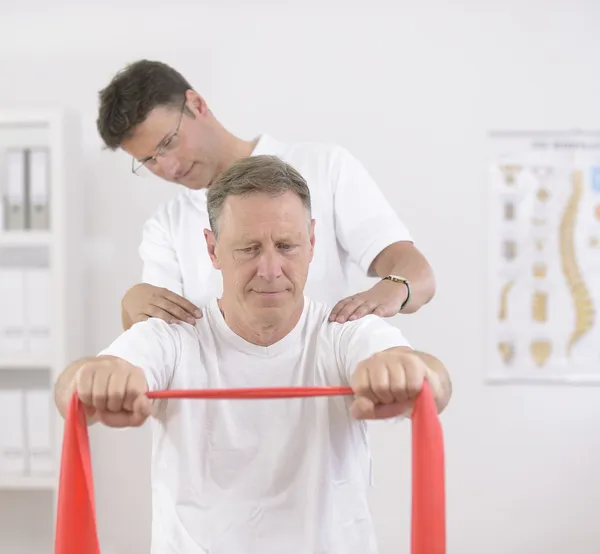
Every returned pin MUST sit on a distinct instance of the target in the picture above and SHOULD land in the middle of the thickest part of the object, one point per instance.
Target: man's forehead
(266, 216)
(279, 203)
(257, 208)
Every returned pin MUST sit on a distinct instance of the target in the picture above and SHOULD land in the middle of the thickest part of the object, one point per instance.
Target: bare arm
(125, 319)
(370, 231)
(386, 298)
(405, 260)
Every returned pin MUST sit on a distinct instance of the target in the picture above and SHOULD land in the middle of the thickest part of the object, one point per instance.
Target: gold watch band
(398, 279)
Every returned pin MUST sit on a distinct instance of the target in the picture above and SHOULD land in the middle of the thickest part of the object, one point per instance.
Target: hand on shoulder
(143, 301)
(384, 299)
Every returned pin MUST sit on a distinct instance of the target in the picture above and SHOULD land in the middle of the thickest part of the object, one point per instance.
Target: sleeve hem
(379, 244)
(156, 280)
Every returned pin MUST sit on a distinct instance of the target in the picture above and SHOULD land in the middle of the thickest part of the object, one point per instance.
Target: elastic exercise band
(76, 531)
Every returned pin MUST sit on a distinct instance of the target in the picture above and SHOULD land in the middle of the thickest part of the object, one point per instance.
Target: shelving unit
(41, 314)
(25, 238)
(25, 483)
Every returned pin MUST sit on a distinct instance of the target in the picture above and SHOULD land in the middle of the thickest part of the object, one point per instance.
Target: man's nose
(269, 265)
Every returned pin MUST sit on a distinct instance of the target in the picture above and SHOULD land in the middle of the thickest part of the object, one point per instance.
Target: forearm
(125, 319)
(421, 281)
(442, 396)
(405, 260)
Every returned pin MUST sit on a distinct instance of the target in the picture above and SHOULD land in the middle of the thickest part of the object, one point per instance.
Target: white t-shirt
(354, 223)
(257, 476)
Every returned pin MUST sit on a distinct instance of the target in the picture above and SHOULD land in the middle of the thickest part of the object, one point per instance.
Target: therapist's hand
(143, 301)
(387, 384)
(113, 391)
(384, 299)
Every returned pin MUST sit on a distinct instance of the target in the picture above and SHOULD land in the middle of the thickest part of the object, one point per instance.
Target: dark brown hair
(132, 94)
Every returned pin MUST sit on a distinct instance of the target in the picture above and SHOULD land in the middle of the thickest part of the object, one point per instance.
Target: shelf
(24, 362)
(27, 483)
(25, 238)
(53, 253)
(26, 119)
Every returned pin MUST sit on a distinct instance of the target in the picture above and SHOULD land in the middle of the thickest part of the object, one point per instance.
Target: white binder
(38, 204)
(38, 296)
(12, 443)
(15, 189)
(38, 429)
(12, 311)
(3, 190)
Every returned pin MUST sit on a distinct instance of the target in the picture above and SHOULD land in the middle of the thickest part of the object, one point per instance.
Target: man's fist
(387, 384)
(143, 301)
(113, 391)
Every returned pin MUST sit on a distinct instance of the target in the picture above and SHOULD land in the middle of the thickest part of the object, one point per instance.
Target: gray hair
(266, 174)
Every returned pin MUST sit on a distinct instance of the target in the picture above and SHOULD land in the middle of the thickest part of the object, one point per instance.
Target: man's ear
(196, 103)
(211, 245)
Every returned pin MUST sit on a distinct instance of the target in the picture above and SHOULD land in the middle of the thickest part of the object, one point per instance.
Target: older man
(258, 476)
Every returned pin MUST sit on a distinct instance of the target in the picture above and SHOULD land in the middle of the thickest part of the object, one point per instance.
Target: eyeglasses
(167, 146)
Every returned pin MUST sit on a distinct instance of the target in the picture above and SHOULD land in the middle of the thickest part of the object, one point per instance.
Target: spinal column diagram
(580, 294)
(545, 259)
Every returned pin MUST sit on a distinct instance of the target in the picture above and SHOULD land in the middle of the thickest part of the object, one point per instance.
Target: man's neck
(262, 332)
(234, 149)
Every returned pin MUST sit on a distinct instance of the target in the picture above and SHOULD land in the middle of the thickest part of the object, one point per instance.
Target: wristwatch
(398, 279)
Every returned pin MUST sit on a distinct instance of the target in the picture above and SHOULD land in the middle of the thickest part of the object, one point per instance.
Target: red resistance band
(76, 531)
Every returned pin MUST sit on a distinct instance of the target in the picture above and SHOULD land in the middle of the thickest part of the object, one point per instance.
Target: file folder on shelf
(37, 310)
(38, 205)
(38, 432)
(12, 443)
(15, 187)
(12, 313)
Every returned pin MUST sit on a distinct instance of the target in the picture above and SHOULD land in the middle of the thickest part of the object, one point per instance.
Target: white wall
(411, 88)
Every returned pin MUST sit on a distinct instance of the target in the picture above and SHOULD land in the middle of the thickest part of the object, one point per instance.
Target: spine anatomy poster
(544, 257)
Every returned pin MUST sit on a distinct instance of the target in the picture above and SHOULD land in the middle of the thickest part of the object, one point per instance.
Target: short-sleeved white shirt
(354, 223)
(257, 476)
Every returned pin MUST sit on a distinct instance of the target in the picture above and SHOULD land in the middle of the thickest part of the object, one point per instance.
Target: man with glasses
(150, 111)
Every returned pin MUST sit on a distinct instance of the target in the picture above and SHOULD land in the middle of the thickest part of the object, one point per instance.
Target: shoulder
(328, 154)
(358, 338)
(146, 342)
(371, 324)
(328, 162)
(153, 329)
(308, 156)
(323, 164)
(317, 317)
(368, 327)
(317, 311)
(181, 332)
(172, 212)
